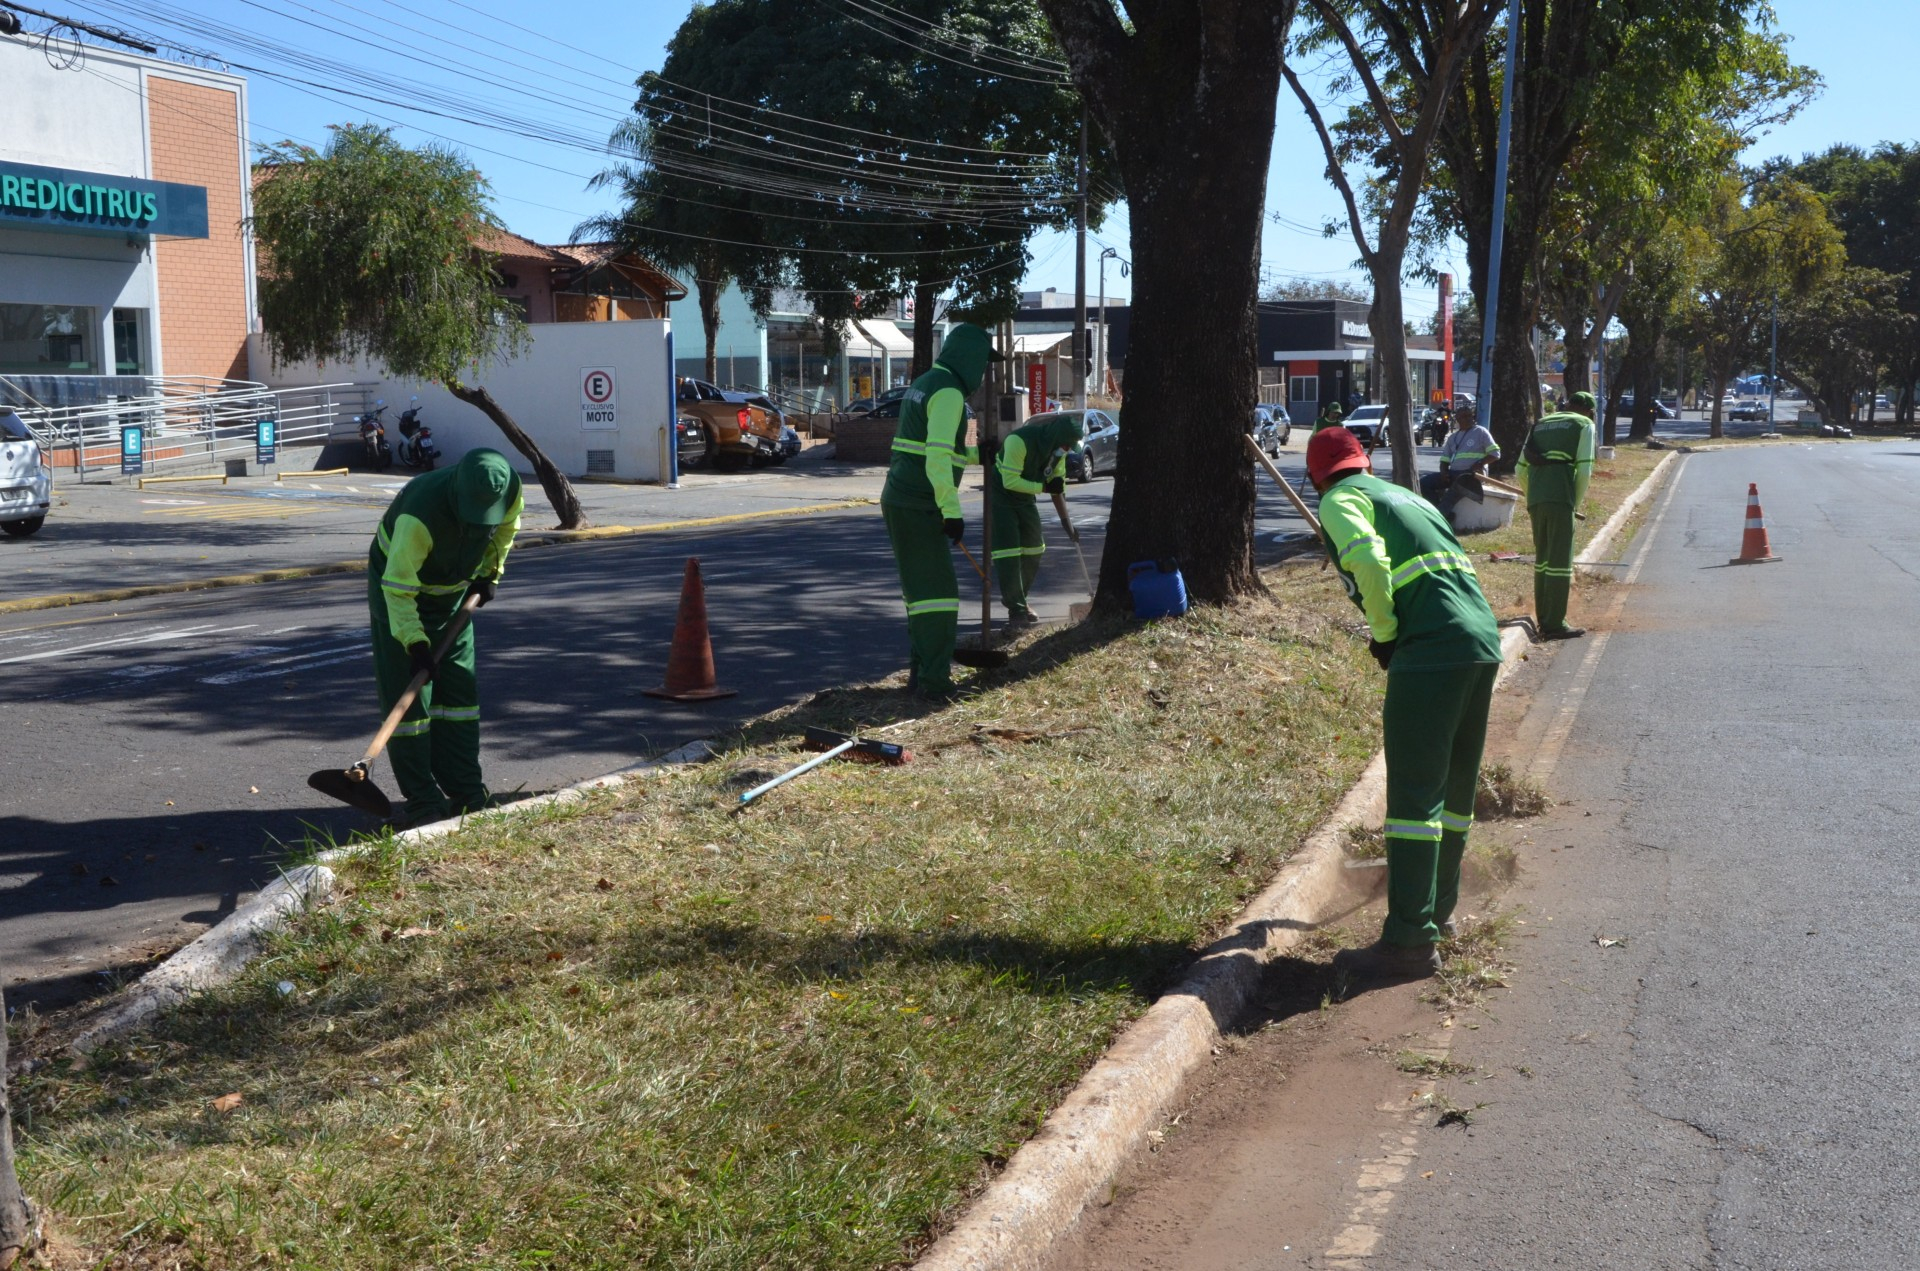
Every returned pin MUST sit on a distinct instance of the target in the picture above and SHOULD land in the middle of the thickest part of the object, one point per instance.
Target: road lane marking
(242, 510)
(287, 666)
(1547, 757)
(126, 642)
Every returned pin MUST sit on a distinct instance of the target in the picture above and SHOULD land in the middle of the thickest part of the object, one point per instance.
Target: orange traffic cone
(1754, 549)
(690, 664)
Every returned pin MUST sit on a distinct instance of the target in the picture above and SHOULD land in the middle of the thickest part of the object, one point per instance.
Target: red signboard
(1446, 338)
(1036, 387)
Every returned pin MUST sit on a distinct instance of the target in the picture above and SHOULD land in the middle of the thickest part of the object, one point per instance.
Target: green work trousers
(924, 556)
(1552, 563)
(436, 749)
(1018, 546)
(1436, 725)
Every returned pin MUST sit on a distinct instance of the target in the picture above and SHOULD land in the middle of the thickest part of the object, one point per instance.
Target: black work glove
(954, 528)
(483, 588)
(1058, 485)
(1382, 651)
(421, 655)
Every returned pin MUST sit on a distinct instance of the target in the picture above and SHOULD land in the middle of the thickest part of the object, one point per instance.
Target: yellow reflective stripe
(1357, 542)
(1422, 830)
(1454, 821)
(907, 446)
(455, 713)
(917, 607)
(1432, 562)
(1009, 553)
(412, 728)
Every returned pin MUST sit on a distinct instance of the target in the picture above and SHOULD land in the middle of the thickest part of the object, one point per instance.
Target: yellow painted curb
(536, 538)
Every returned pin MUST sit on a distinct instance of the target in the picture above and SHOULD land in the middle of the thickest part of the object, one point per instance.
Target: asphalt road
(156, 752)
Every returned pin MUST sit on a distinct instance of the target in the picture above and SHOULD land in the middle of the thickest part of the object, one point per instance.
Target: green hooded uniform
(922, 494)
(1406, 571)
(1028, 459)
(1330, 416)
(1555, 466)
(443, 532)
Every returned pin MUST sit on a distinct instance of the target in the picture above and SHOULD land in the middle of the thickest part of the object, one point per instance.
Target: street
(1707, 1055)
(158, 750)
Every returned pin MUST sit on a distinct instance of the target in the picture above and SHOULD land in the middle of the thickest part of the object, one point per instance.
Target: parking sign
(598, 407)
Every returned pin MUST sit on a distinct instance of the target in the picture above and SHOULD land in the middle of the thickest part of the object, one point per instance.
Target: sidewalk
(113, 535)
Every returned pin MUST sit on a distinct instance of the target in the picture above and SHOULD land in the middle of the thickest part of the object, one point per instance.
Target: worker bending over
(921, 502)
(1435, 637)
(1032, 460)
(446, 534)
(1555, 466)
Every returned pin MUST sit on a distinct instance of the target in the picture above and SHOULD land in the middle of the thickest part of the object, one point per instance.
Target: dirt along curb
(1018, 1221)
(222, 952)
(535, 538)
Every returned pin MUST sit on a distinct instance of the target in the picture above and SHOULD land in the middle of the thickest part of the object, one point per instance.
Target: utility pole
(1490, 320)
(1773, 365)
(1080, 278)
(1100, 336)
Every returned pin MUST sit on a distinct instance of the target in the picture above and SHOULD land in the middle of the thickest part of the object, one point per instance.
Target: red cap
(1333, 451)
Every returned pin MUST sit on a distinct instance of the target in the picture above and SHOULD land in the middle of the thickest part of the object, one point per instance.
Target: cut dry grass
(1505, 795)
(1473, 961)
(644, 1031)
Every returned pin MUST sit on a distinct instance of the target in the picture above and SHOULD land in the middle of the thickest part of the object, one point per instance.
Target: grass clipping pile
(648, 1032)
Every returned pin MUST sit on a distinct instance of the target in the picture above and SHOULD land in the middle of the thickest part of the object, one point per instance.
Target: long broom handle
(1066, 522)
(808, 766)
(461, 617)
(1299, 504)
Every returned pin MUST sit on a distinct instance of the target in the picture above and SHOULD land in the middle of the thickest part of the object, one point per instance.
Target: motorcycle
(373, 438)
(1435, 424)
(416, 440)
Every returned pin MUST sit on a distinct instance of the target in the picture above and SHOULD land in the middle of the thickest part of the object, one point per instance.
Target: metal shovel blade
(353, 788)
(981, 659)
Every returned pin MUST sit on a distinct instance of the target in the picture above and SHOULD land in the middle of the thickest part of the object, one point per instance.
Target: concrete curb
(548, 538)
(1602, 542)
(1017, 1222)
(214, 958)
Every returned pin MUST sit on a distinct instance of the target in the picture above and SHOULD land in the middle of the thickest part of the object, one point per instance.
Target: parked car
(1099, 451)
(1751, 409)
(26, 481)
(741, 428)
(866, 405)
(1369, 424)
(1272, 428)
(789, 444)
(1660, 409)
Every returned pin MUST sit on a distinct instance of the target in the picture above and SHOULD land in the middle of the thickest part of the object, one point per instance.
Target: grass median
(648, 1031)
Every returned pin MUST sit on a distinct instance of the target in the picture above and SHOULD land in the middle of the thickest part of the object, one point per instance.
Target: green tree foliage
(1769, 243)
(1405, 56)
(368, 252)
(1570, 52)
(1838, 337)
(1184, 91)
(859, 153)
(1283, 289)
(1874, 197)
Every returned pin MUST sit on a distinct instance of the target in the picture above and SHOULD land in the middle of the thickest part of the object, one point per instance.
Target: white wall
(540, 389)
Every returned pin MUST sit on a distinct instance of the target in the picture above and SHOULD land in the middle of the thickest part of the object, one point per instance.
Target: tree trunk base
(559, 490)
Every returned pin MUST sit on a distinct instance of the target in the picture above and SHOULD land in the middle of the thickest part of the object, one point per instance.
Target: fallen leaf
(228, 1102)
(556, 956)
(253, 789)
(108, 880)
(1609, 942)
(1427, 1174)
(409, 933)
(604, 884)
(169, 802)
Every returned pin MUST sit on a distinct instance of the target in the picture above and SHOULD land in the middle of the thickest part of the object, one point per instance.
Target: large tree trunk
(1187, 101)
(1390, 338)
(18, 1227)
(1578, 377)
(1646, 389)
(552, 480)
(926, 295)
(710, 289)
(1516, 377)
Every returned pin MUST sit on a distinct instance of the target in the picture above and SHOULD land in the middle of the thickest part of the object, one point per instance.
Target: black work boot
(1383, 963)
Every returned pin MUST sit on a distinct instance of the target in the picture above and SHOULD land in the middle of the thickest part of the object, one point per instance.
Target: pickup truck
(740, 428)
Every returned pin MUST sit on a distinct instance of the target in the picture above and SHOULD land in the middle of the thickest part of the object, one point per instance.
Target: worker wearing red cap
(1438, 642)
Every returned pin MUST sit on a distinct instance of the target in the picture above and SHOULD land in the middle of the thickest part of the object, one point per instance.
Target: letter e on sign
(598, 408)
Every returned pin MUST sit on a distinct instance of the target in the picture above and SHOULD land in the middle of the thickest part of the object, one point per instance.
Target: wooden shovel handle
(461, 617)
(1066, 522)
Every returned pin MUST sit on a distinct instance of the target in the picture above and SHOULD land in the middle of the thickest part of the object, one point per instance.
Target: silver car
(26, 482)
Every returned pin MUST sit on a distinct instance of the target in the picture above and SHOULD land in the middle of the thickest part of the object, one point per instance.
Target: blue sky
(568, 78)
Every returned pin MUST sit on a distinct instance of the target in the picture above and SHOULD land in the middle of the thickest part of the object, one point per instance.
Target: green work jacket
(1404, 568)
(1557, 461)
(424, 549)
(928, 457)
(1028, 458)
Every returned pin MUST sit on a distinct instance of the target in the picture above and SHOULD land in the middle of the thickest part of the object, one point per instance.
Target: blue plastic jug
(1159, 589)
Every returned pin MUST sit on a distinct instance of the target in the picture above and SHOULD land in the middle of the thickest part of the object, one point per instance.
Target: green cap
(1583, 402)
(483, 487)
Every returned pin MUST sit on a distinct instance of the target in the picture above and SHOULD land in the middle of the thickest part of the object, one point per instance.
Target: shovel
(980, 659)
(1066, 523)
(354, 786)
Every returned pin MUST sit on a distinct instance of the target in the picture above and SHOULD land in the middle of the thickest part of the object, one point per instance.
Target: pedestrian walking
(1433, 634)
(920, 502)
(1330, 417)
(1031, 461)
(445, 534)
(1555, 467)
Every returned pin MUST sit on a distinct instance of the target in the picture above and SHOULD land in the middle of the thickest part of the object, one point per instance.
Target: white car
(26, 483)
(1369, 424)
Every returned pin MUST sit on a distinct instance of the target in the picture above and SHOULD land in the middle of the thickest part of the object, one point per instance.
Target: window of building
(129, 342)
(48, 340)
(1305, 388)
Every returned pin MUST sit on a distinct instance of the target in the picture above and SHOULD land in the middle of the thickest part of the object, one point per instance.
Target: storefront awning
(1352, 355)
(1036, 343)
(876, 337)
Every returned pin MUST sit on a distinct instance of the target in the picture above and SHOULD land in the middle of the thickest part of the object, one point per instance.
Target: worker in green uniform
(1555, 466)
(921, 502)
(1331, 416)
(1032, 460)
(1435, 637)
(447, 533)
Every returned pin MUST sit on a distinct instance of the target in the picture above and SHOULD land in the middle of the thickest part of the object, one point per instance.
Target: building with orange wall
(124, 190)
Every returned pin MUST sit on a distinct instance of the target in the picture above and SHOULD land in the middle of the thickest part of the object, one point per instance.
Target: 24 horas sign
(94, 202)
